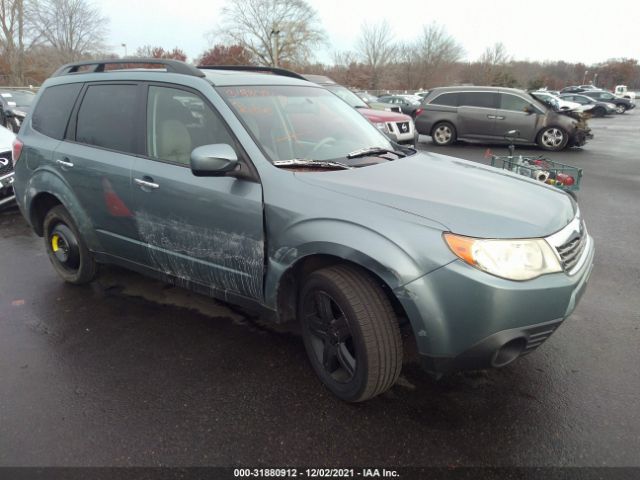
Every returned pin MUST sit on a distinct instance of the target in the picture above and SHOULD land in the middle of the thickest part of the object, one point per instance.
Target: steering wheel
(321, 144)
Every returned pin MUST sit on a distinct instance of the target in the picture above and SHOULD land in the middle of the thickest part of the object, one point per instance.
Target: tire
(599, 112)
(350, 332)
(621, 108)
(443, 133)
(553, 139)
(66, 248)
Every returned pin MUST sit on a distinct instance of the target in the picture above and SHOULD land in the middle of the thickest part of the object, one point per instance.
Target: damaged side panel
(207, 230)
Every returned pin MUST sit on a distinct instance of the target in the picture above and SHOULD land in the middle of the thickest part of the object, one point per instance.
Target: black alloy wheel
(350, 332)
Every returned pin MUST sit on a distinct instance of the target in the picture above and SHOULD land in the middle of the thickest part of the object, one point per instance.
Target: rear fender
(48, 181)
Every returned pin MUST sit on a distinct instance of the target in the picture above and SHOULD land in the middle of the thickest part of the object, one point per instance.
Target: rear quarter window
(52, 111)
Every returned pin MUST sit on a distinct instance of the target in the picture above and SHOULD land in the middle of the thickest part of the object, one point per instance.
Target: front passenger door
(513, 115)
(203, 230)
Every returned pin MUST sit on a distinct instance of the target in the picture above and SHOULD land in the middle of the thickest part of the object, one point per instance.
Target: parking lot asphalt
(128, 371)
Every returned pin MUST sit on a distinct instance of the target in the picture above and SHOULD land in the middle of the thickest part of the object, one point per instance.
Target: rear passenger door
(201, 230)
(96, 157)
(517, 113)
(477, 114)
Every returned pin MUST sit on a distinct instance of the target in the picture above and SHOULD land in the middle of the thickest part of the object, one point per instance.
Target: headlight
(521, 259)
(382, 127)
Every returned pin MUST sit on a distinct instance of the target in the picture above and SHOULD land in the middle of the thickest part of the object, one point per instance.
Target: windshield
(21, 99)
(367, 97)
(347, 95)
(302, 122)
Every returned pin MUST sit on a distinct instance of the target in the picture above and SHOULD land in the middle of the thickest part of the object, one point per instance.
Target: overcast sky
(531, 30)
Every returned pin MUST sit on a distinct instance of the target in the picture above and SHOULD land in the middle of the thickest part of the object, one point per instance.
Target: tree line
(37, 36)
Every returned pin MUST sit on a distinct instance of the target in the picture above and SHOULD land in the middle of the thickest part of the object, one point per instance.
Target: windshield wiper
(363, 152)
(304, 162)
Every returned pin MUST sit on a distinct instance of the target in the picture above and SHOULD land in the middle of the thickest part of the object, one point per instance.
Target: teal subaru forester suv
(268, 191)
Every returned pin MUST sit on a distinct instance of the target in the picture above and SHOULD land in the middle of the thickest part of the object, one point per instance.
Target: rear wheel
(443, 133)
(67, 251)
(350, 332)
(621, 108)
(553, 138)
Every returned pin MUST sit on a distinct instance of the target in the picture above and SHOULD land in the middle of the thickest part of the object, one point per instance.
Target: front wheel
(621, 108)
(350, 332)
(443, 134)
(67, 251)
(553, 138)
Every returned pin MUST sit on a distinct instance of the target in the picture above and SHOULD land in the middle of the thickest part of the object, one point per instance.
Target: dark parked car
(271, 192)
(6, 167)
(622, 104)
(15, 105)
(598, 108)
(486, 113)
(410, 105)
(574, 89)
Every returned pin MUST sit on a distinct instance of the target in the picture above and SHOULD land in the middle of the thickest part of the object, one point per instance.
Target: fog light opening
(508, 352)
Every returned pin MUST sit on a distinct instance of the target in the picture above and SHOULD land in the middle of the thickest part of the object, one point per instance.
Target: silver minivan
(485, 114)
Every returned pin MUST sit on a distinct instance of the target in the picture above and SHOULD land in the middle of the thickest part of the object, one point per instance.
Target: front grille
(6, 166)
(571, 250)
(403, 127)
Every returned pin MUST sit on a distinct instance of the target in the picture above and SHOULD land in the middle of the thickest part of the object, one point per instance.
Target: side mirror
(529, 110)
(213, 160)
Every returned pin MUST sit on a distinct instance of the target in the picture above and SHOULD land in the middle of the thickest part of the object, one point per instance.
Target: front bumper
(464, 318)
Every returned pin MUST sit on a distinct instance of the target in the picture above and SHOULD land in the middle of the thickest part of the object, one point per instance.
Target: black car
(622, 104)
(598, 108)
(409, 104)
(14, 105)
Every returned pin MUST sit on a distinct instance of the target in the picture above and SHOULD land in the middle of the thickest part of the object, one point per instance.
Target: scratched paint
(227, 261)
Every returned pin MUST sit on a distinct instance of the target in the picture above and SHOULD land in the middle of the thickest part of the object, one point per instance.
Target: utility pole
(20, 59)
(275, 34)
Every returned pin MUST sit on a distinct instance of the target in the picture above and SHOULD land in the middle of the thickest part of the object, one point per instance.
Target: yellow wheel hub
(54, 242)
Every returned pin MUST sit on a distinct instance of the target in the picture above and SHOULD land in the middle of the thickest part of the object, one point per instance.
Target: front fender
(48, 181)
(394, 263)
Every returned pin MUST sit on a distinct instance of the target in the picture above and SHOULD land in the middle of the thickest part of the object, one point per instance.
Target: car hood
(377, 116)
(466, 197)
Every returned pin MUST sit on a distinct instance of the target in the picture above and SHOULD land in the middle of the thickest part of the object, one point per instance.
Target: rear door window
(52, 111)
(478, 99)
(108, 117)
(446, 99)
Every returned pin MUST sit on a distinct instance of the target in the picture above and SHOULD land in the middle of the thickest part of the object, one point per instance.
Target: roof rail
(172, 66)
(254, 68)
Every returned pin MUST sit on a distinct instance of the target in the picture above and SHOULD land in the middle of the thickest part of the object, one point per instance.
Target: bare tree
(494, 66)
(74, 28)
(377, 47)
(275, 32)
(12, 40)
(436, 51)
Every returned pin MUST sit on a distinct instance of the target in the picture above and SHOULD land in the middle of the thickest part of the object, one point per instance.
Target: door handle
(492, 117)
(65, 163)
(500, 117)
(145, 183)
